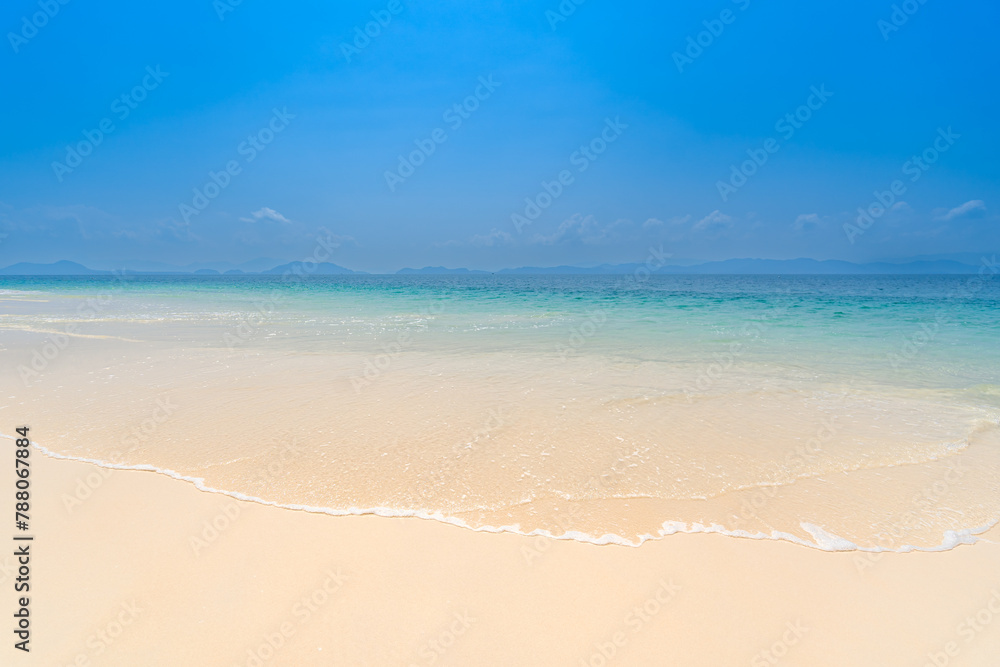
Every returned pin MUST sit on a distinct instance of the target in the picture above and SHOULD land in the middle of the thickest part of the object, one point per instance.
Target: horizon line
(307, 268)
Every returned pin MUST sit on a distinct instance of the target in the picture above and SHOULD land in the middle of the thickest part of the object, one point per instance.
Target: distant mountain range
(67, 268)
(768, 266)
(63, 268)
(322, 269)
(729, 266)
(439, 271)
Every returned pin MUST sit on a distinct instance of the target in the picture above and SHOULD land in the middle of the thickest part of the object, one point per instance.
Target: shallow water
(837, 411)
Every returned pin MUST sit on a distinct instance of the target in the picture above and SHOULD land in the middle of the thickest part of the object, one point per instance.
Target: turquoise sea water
(493, 401)
(921, 330)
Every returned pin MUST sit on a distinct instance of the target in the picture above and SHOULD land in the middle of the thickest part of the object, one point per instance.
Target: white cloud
(807, 222)
(586, 230)
(180, 231)
(655, 223)
(495, 237)
(266, 213)
(975, 206)
(715, 222)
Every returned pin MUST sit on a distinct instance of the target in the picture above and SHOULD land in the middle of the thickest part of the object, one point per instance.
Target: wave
(821, 539)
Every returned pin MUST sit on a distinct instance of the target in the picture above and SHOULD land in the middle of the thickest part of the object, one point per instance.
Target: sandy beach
(544, 334)
(195, 504)
(134, 568)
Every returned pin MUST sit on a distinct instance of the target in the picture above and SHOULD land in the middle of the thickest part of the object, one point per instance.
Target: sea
(836, 412)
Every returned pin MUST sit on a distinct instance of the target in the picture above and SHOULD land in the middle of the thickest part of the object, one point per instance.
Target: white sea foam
(822, 539)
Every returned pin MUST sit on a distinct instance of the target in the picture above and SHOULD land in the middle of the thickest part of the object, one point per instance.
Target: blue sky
(641, 123)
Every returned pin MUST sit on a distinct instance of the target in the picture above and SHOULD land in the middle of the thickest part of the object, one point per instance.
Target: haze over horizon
(489, 137)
